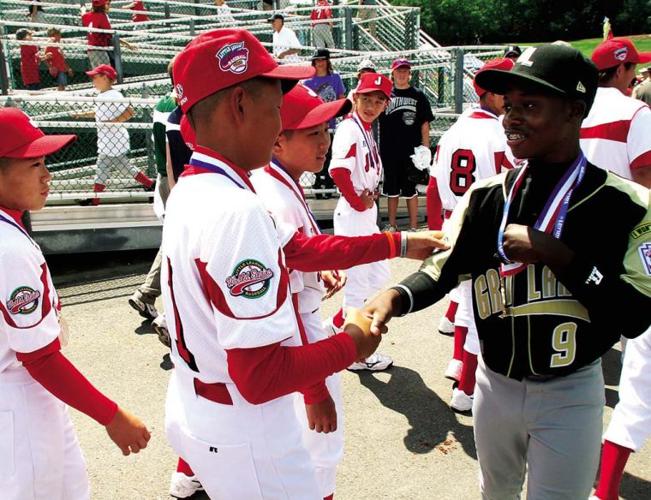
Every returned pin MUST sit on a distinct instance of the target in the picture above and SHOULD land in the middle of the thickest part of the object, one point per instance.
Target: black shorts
(396, 178)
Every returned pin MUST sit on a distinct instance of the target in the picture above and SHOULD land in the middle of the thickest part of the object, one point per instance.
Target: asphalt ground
(402, 439)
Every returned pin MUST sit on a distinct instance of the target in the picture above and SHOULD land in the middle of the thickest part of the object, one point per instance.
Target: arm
(434, 205)
(288, 52)
(168, 166)
(424, 133)
(642, 175)
(342, 180)
(127, 114)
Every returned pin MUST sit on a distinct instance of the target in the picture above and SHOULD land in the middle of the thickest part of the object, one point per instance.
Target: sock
(338, 319)
(144, 180)
(97, 188)
(460, 333)
(452, 311)
(184, 468)
(467, 379)
(613, 461)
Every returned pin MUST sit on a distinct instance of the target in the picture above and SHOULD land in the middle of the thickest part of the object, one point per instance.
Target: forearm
(417, 291)
(342, 180)
(424, 132)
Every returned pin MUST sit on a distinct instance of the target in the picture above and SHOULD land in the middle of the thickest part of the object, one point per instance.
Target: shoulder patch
(23, 300)
(645, 254)
(250, 279)
(641, 230)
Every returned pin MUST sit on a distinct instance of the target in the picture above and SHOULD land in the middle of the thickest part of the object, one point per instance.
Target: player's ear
(576, 109)
(238, 103)
(280, 145)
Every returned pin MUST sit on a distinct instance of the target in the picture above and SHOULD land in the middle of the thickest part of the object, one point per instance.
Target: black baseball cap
(321, 54)
(512, 51)
(276, 16)
(551, 69)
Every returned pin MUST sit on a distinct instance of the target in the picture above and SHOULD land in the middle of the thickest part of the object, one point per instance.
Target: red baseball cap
(502, 63)
(615, 51)
(221, 58)
(103, 69)
(19, 138)
(187, 133)
(401, 62)
(302, 108)
(99, 3)
(372, 82)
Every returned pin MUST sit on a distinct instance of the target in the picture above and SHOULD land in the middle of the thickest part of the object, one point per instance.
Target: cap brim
(42, 146)
(323, 113)
(401, 66)
(499, 81)
(289, 75)
(644, 57)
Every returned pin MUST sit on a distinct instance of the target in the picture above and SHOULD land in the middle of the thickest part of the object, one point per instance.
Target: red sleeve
(58, 375)
(341, 177)
(434, 205)
(325, 251)
(265, 373)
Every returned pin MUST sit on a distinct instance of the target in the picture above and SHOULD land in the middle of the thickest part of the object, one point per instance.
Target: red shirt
(97, 20)
(138, 18)
(29, 62)
(57, 60)
(321, 12)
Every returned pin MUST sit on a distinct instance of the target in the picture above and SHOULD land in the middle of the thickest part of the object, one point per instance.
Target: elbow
(250, 391)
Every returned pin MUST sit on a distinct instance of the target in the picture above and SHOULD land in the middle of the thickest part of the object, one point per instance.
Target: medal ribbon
(370, 144)
(11, 222)
(195, 161)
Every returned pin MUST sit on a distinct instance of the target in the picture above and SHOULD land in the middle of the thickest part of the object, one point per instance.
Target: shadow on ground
(430, 417)
(634, 488)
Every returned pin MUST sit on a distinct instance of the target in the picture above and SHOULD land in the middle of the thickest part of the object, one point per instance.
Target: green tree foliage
(491, 21)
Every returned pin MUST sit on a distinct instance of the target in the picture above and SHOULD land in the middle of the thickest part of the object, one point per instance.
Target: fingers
(378, 324)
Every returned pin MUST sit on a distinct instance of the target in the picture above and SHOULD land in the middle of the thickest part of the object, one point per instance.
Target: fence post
(458, 80)
(197, 10)
(117, 57)
(191, 26)
(4, 74)
(348, 27)
(166, 10)
(441, 86)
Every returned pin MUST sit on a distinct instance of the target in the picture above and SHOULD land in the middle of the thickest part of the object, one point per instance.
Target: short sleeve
(341, 88)
(426, 114)
(637, 260)
(247, 281)
(344, 147)
(639, 139)
(27, 302)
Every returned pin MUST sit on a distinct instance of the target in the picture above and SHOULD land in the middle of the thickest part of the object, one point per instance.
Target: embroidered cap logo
(620, 54)
(233, 57)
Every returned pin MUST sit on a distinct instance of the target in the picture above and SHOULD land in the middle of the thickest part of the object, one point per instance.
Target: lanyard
(276, 171)
(17, 226)
(196, 162)
(552, 218)
(370, 144)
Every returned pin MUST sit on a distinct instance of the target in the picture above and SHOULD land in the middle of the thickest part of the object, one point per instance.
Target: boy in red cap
(30, 59)
(356, 169)
(43, 460)
(236, 344)
(112, 140)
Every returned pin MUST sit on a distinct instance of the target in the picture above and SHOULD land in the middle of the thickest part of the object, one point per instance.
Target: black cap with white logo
(551, 69)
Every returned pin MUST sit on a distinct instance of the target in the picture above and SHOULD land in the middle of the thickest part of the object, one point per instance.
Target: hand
(71, 73)
(358, 326)
(527, 245)
(381, 309)
(368, 198)
(128, 432)
(421, 245)
(322, 417)
(333, 282)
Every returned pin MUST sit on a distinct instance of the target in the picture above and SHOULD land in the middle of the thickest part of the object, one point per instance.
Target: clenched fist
(128, 432)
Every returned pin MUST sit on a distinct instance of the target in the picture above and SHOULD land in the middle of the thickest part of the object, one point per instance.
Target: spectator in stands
(285, 43)
(329, 86)
(322, 26)
(97, 18)
(267, 5)
(139, 7)
(35, 13)
(404, 126)
(30, 58)
(57, 65)
(224, 14)
(643, 89)
(112, 140)
(366, 66)
(512, 52)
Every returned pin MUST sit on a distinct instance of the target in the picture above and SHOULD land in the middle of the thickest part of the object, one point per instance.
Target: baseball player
(236, 343)
(474, 148)
(356, 169)
(543, 292)
(39, 452)
(615, 135)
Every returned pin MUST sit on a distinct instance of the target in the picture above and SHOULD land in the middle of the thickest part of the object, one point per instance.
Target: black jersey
(536, 323)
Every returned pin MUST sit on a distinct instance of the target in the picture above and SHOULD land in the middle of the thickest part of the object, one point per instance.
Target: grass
(642, 43)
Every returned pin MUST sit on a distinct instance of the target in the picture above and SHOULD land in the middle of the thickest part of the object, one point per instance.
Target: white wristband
(403, 243)
(411, 299)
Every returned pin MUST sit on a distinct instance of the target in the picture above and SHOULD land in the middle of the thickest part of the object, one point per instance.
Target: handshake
(358, 326)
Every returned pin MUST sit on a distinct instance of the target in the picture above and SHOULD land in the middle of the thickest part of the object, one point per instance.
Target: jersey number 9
(564, 342)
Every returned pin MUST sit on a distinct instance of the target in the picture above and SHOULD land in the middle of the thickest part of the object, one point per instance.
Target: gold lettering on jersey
(532, 293)
(493, 281)
(641, 230)
(562, 291)
(508, 285)
(548, 283)
(481, 297)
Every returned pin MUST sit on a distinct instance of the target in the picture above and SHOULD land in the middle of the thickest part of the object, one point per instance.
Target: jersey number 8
(462, 173)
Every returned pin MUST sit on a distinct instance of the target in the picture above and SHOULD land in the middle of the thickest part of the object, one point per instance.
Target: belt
(540, 378)
(217, 392)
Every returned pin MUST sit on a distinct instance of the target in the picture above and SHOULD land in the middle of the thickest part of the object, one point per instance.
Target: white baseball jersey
(28, 301)
(283, 197)
(473, 148)
(616, 133)
(112, 138)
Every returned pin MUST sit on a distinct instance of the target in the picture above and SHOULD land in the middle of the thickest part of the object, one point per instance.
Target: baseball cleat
(182, 486)
(453, 371)
(390, 228)
(446, 327)
(160, 327)
(460, 401)
(376, 362)
(144, 309)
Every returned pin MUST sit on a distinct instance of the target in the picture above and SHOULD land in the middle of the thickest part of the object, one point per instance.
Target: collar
(278, 167)
(16, 215)
(366, 125)
(209, 156)
(481, 113)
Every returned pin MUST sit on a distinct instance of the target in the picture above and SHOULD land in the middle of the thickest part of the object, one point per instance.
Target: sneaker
(413, 229)
(453, 371)
(461, 401)
(144, 309)
(446, 327)
(160, 327)
(376, 362)
(389, 228)
(182, 486)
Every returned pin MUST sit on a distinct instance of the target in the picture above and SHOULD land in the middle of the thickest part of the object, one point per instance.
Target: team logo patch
(250, 279)
(581, 88)
(23, 300)
(645, 255)
(620, 54)
(234, 57)
(641, 230)
(179, 94)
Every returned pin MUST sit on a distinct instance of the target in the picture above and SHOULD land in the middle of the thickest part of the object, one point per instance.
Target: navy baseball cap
(550, 69)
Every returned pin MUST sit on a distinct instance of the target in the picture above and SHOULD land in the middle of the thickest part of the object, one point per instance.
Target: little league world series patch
(23, 300)
(250, 279)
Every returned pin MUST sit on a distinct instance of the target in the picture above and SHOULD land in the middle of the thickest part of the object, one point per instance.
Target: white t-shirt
(284, 199)
(283, 40)
(112, 139)
(473, 148)
(229, 284)
(28, 301)
(354, 149)
(616, 134)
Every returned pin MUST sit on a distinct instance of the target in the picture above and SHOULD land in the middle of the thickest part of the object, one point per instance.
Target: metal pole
(117, 55)
(191, 25)
(4, 74)
(166, 9)
(348, 27)
(458, 81)
(197, 10)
